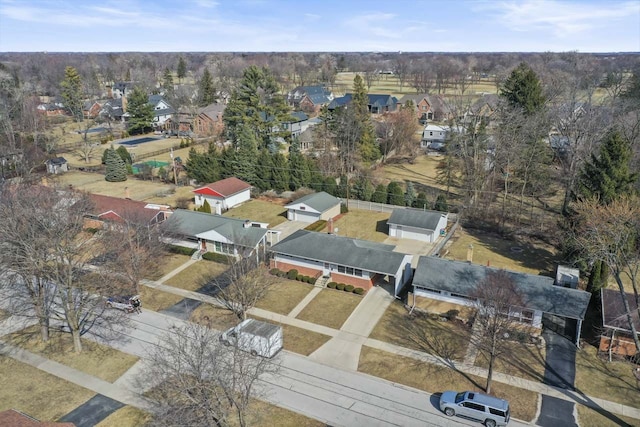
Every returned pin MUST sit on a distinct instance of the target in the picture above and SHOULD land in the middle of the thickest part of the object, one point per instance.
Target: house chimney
(330, 226)
(124, 104)
(246, 224)
(470, 253)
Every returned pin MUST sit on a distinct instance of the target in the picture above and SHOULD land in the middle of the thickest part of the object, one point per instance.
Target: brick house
(208, 120)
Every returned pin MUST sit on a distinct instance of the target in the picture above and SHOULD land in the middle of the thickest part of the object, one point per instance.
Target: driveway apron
(92, 411)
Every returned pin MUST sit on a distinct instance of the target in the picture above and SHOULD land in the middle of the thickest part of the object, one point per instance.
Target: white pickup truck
(255, 337)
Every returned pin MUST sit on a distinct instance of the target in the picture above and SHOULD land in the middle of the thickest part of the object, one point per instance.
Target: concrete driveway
(410, 246)
(287, 228)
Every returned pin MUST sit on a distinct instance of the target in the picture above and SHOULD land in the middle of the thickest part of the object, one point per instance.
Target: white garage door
(416, 235)
(306, 217)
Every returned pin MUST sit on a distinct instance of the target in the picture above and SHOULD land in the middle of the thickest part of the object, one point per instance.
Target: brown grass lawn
(259, 210)
(588, 417)
(362, 224)
(283, 296)
(525, 361)
(608, 380)
(156, 300)
(263, 414)
(214, 317)
(535, 257)
(196, 275)
(330, 308)
(298, 340)
(127, 416)
(445, 339)
(422, 172)
(36, 393)
(436, 379)
(95, 359)
(167, 264)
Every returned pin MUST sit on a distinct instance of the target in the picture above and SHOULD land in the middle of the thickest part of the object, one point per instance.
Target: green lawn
(284, 295)
(436, 379)
(330, 308)
(448, 340)
(259, 210)
(361, 224)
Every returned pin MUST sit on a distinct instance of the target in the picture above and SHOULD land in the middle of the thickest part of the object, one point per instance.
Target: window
(357, 272)
(302, 208)
(497, 412)
(430, 133)
(474, 406)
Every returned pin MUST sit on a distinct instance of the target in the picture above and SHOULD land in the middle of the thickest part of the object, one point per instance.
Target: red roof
(224, 188)
(114, 208)
(15, 418)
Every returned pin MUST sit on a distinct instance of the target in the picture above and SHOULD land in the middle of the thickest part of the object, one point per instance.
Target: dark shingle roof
(191, 223)
(427, 220)
(319, 201)
(538, 292)
(361, 254)
(613, 311)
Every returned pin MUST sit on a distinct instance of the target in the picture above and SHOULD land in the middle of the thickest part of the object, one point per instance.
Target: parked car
(125, 303)
(490, 410)
(255, 337)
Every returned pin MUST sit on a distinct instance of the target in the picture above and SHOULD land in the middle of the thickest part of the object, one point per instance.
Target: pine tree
(608, 175)
(316, 180)
(421, 202)
(380, 194)
(167, 82)
(124, 154)
(330, 186)
(441, 203)
(343, 186)
(140, 112)
(246, 155)
(203, 167)
(206, 89)
(264, 170)
(410, 194)
(362, 188)
(280, 173)
(206, 207)
(523, 89)
(182, 69)
(116, 169)
(72, 92)
(395, 194)
(299, 174)
(367, 146)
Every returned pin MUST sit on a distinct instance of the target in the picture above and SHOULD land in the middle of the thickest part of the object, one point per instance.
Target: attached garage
(313, 207)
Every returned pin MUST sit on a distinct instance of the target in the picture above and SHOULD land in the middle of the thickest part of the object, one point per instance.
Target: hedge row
(221, 258)
(293, 275)
(316, 226)
(181, 250)
(346, 288)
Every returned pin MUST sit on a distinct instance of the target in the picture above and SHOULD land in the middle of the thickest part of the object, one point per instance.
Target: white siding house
(313, 207)
(223, 195)
(425, 226)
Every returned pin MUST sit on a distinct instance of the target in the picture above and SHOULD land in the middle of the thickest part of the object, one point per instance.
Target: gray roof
(192, 223)
(427, 220)
(319, 201)
(538, 292)
(57, 161)
(361, 254)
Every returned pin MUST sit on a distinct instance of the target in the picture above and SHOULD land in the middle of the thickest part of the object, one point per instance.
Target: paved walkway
(305, 301)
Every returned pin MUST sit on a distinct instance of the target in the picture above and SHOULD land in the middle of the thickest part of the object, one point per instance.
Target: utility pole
(175, 171)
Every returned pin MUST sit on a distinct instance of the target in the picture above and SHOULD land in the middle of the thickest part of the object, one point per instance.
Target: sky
(319, 25)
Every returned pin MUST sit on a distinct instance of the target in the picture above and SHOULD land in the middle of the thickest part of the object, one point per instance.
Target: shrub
(299, 277)
(452, 314)
(332, 285)
(358, 291)
(349, 288)
(292, 274)
(181, 250)
(343, 208)
(221, 258)
(274, 272)
(312, 280)
(340, 286)
(316, 226)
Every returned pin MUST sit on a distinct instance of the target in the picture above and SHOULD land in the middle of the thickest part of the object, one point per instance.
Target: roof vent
(246, 224)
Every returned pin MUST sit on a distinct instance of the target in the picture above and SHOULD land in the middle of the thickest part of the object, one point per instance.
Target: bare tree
(496, 299)
(611, 234)
(198, 381)
(242, 286)
(398, 133)
(87, 146)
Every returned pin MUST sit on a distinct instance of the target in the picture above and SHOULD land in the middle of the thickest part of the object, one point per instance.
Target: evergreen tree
(395, 194)
(363, 188)
(167, 82)
(246, 155)
(299, 174)
(206, 207)
(343, 187)
(124, 154)
(227, 162)
(116, 169)
(441, 203)
(410, 194)
(280, 173)
(72, 92)
(206, 89)
(380, 194)
(523, 89)
(367, 145)
(330, 186)
(316, 180)
(182, 69)
(264, 170)
(140, 112)
(421, 201)
(608, 175)
(203, 167)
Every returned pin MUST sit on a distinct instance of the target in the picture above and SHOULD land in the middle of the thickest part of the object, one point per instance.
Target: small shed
(314, 207)
(57, 165)
(223, 194)
(420, 225)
